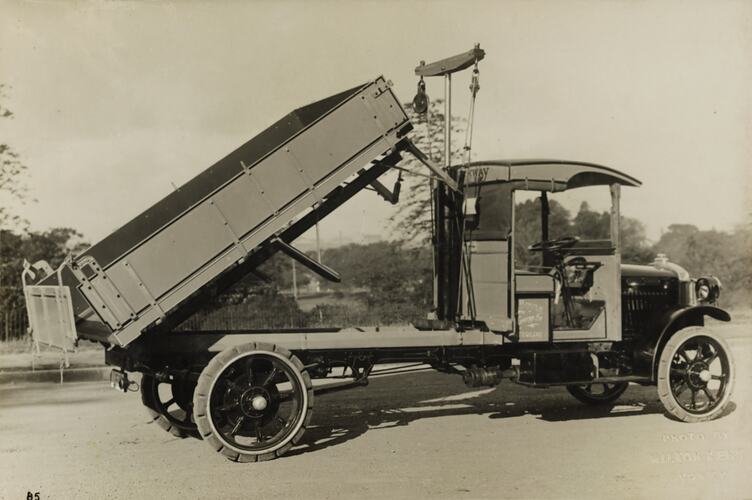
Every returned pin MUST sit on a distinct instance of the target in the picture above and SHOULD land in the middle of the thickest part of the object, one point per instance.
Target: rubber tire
(664, 365)
(149, 398)
(582, 396)
(201, 399)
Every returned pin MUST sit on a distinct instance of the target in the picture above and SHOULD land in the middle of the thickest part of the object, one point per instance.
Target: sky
(115, 102)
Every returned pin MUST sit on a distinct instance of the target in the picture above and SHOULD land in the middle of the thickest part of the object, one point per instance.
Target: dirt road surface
(409, 436)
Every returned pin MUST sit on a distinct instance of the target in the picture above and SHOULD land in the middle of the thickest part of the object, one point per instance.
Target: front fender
(679, 319)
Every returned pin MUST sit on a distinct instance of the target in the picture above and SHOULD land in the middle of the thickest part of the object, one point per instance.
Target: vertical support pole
(616, 217)
(546, 256)
(318, 242)
(447, 120)
(613, 320)
(544, 216)
(433, 187)
(447, 253)
(440, 250)
(442, 257)
(294, 281)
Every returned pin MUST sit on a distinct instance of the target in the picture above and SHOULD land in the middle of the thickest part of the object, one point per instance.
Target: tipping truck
(581, 319)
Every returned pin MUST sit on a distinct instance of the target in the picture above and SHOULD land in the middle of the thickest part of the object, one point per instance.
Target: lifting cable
(474, 88)
(465, 258)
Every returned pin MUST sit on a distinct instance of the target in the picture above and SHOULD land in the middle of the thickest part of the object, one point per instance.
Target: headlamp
(707, 289)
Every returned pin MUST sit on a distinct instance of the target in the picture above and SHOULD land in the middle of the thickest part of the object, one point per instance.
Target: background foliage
(13, 187)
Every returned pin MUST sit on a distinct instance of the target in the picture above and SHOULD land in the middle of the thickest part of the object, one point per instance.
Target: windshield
(584, 213)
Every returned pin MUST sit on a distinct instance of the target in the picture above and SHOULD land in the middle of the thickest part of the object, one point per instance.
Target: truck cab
(573, 293)
(564, 288)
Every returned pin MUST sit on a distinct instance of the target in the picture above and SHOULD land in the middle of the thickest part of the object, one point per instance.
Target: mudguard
(682, 318)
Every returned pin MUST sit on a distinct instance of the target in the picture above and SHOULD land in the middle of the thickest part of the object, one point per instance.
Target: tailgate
(51, 315)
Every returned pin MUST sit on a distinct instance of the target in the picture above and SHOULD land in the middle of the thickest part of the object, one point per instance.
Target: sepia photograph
(375, 249)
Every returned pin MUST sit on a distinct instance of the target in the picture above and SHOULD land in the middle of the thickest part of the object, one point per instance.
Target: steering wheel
(554, 245)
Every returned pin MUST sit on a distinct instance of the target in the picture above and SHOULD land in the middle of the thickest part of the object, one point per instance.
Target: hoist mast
(446, 212)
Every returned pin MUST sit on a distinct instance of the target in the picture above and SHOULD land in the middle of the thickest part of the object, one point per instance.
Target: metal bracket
(108, 307)
(383, 88)
(392, 196)
(306, 178)
(149, 297)
(438, 171)
(315, 266)
(233, 234)
(253, 178)
(376, 115)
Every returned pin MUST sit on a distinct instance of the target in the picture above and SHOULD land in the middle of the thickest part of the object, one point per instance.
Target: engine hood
(635, 271)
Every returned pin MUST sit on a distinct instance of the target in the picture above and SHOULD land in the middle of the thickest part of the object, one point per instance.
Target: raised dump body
(214, 225)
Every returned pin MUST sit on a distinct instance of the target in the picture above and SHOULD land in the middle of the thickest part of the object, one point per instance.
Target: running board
(315, 266)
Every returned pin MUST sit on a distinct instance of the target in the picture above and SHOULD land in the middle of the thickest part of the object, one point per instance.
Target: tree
(674, 240)
(53, 246)
(725, 255)
(396, 273)
(527, 222)
(12, 185)
(634, 242)
(739, 280)
(591, 225)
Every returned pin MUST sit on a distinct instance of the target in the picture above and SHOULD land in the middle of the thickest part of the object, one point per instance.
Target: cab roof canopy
(544, 175)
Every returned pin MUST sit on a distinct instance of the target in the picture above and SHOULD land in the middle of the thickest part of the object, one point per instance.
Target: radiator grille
(643, 302)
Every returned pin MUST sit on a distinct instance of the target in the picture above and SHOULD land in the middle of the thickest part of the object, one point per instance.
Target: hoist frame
(446, 214)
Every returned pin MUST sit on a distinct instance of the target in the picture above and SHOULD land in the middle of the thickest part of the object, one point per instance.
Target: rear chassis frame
(483, 358)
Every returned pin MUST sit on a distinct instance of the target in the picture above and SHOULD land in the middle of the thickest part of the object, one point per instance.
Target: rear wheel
(253, 402)
(598, 394)
(170, 404)
(695, 375)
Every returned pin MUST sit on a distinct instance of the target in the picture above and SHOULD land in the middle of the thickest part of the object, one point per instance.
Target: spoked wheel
(695, 375)
(170, 404)
(253, 402)
(598, 394)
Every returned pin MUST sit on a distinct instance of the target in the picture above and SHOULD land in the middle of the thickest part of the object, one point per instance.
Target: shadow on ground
(400, 400)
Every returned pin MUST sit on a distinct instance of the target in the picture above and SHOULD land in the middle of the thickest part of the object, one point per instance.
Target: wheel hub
(259, 403)
(254, 402)
(698, 375)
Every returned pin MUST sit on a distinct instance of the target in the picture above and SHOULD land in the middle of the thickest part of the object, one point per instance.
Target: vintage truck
(580, 319)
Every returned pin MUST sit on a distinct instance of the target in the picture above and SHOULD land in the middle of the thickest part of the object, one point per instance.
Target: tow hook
(119, 380)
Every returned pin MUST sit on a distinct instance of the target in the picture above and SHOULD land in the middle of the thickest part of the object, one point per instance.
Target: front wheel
(598, 394)
(695, 375)
(253, 402)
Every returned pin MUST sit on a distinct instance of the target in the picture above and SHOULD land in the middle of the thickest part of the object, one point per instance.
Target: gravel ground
(409, 436)
(18, 357)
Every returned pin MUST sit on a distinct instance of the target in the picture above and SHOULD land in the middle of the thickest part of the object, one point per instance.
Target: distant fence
(13, 324)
